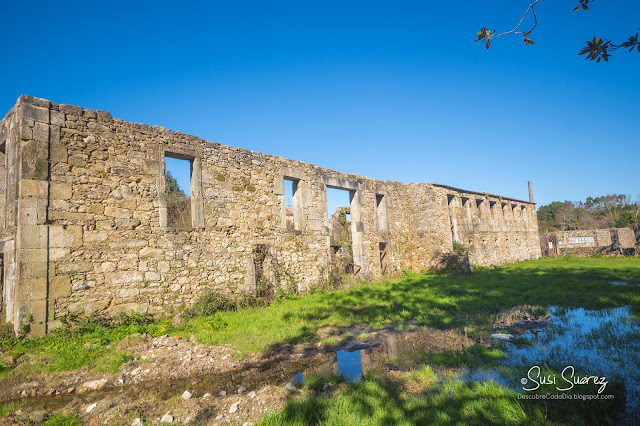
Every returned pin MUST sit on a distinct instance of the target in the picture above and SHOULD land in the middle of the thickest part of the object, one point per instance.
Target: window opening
(177, 175)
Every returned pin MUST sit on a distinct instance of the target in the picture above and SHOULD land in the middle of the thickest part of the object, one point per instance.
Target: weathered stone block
(33, 270)
(34, 188)
(26, 133)
(164, 266)
(106, 267)
(33, 236)
(58, 153)
(57, 118)
(150, 252)
(60, 191)
(151, 276)
(128, 292)
(36, 113)
(73, 236)
(36, 288)
(34, 255)
(70, 268)
(28, 216)
(59, 286)
(96, 208)
(41, 133)
(103, 116)
(95, 236)
(57, 254)
(124, 224)
(140, 308)
(126, 277)
(71, 109)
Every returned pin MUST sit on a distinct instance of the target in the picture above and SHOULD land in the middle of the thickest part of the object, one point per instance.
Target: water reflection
(603, 343)
(353, 364)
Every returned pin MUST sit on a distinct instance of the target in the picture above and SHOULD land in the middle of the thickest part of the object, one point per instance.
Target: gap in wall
(178, 189)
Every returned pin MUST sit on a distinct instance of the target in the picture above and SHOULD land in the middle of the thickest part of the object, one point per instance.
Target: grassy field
(414, 301)
(430, 301)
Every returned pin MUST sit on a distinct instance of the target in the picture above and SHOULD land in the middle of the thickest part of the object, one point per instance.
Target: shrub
(210, 303)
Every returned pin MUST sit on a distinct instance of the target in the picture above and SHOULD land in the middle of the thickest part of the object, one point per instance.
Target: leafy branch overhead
(596, 49)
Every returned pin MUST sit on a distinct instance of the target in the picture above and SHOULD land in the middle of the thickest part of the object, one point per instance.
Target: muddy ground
(176, 380)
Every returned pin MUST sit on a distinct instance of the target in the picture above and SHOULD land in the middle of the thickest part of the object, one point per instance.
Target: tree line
(606, 211)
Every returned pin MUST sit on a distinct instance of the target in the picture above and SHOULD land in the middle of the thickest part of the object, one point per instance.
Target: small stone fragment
(186, 395)
(91, 407)
(241, 389)
(290, 386)
(167, 418)
(222, 393)
(38, 417)
(137, 422)
(252, 394)
(502, 336)
(234, 407)
(94, 384)
(206, 395)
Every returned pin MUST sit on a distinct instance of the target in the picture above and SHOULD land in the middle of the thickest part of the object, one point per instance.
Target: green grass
(416, 301)
(377, 401)
(427, 301)
(63, 420)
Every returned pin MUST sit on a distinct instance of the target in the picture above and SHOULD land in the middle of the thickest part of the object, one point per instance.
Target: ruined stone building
(85, 229)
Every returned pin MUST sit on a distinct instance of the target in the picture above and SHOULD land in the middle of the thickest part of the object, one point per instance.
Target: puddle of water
(350, 365)
(603, 343)
(618, 283)
(483, 375)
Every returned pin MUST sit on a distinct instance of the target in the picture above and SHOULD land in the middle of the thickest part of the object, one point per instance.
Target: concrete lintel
(291, 173)
(340, 183)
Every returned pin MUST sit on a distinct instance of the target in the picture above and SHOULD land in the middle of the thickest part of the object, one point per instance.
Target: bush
(210, 303)
(6, 330)
(460, 248)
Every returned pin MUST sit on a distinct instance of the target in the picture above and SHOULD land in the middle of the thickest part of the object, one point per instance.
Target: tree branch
(596, 50)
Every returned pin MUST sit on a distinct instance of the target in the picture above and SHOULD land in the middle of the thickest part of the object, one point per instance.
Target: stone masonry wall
(85, 216)
(580, 241)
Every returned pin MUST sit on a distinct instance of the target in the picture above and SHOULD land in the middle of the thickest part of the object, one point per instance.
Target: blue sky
(390, 90)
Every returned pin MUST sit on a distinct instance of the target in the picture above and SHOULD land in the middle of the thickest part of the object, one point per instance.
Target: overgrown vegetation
(81, 342)
(417, 300)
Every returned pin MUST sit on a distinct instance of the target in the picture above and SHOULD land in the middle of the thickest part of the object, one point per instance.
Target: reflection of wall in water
(422, 341)
(326, 368)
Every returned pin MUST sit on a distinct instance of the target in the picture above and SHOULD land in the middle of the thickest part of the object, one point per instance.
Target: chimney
(530, 192)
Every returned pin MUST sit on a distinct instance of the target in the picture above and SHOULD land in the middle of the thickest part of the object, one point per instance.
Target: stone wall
(85, 218)
(593, 241)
